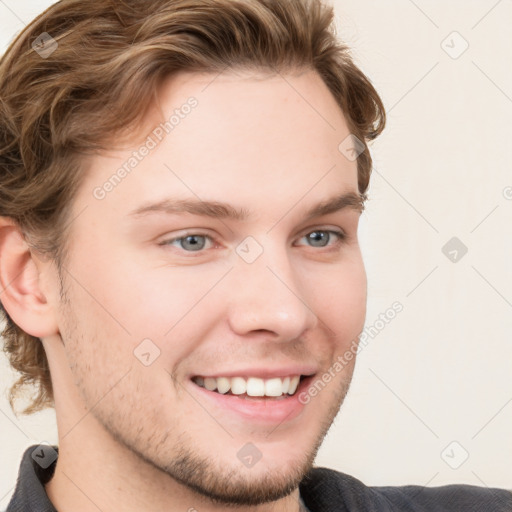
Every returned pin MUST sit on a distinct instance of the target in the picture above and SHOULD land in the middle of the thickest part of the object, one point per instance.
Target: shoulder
(329, 490)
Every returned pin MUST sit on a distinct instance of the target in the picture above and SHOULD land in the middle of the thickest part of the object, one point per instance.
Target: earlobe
(20, 284)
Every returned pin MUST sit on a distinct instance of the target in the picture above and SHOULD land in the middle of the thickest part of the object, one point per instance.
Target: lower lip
(262, 410)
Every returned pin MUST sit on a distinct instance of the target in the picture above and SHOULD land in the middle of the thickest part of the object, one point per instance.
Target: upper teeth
(253, 386)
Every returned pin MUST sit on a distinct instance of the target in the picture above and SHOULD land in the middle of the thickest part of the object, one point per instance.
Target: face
(161, 302)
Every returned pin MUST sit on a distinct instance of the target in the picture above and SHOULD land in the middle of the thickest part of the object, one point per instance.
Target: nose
(266, 296)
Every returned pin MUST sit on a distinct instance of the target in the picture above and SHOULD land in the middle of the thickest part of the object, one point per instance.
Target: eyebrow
(221, 210)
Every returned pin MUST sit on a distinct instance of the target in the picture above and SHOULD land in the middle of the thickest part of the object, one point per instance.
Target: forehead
(238, 112)
(247, 136)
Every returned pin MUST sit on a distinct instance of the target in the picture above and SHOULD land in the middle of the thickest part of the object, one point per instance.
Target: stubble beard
(206, 476)
(202, 475)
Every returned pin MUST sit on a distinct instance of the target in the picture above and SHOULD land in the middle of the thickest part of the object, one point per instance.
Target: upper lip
(263, 373)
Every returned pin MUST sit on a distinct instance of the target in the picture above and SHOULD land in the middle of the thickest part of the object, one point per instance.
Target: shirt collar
(29, 493)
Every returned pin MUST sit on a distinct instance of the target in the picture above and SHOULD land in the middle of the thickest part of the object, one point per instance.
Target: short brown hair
(110, 57)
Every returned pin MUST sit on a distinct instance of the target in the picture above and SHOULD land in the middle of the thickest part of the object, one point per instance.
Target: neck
(95, 472)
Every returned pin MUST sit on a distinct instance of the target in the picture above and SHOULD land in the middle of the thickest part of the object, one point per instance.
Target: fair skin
(135, 437)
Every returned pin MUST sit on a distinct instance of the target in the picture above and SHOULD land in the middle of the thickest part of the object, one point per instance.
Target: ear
(20, 283)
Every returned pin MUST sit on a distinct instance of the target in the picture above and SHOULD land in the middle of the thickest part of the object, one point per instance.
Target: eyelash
(342, 238)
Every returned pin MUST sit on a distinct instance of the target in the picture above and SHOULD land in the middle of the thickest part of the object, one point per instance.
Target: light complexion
(135, 436)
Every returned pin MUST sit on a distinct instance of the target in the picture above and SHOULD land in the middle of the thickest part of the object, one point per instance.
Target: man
(181, 184)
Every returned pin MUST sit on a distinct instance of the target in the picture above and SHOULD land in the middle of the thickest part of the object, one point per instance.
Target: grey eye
(192, 242)
(319, 238)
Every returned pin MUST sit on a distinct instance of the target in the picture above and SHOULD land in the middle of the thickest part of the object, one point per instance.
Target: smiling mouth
(252, 388)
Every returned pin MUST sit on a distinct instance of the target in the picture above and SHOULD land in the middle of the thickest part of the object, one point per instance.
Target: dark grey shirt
(322, 490)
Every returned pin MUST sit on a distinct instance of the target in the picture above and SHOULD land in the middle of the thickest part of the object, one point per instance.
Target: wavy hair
(96, 77)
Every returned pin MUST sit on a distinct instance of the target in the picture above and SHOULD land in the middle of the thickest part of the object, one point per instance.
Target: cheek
(341, 300)
(128, 296)
(138, 311)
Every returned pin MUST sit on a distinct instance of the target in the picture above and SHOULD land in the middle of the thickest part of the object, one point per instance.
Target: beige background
(433, 386)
